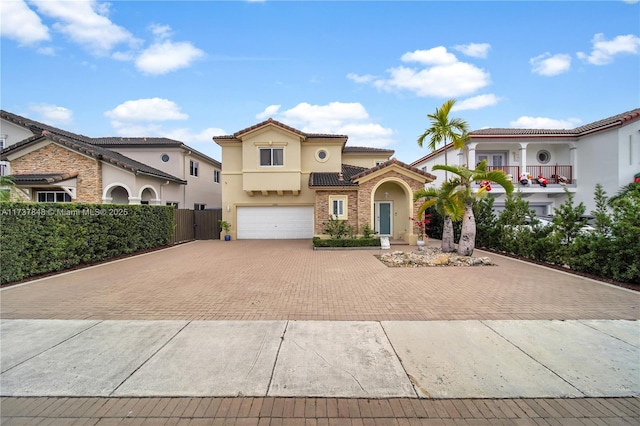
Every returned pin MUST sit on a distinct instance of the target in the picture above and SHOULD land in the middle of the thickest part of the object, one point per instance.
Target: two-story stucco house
(281, 183)
(51, 164)
(606, 152)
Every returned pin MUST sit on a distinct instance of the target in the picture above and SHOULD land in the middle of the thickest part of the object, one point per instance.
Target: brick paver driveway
(288, 280)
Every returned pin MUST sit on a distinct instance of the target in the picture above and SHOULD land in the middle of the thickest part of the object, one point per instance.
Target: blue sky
(190, 70)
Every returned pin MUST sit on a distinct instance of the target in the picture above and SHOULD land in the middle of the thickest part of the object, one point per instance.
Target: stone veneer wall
(55, 159)
(322, 209)
(364, 195)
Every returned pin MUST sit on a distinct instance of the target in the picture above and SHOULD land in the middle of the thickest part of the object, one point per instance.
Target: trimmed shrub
(38, 238)
(346, 242)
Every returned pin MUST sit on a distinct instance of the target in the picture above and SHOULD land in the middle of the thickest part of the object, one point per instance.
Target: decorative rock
(430, 256)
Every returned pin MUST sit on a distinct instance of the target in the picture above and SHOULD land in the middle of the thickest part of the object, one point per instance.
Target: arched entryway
(148, 196)
(116, 194)
(392, 206)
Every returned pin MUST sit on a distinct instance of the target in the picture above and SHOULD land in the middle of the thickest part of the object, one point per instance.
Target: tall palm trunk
(448, 243)
(468, 234)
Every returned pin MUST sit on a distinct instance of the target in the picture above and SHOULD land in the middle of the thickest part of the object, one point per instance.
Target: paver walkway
(286, 280)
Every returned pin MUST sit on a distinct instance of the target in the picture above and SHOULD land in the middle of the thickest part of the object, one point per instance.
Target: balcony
(552, 173)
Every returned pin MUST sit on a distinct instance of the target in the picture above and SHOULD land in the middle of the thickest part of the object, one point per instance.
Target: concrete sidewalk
(359, 359)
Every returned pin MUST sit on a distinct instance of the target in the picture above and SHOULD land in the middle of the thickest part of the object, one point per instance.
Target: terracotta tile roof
(366, 150)
(281, 125)
(616, 120)
(43, 178)
(38, 128)
(399, 163)
(94, 151)
(432, 154)
(333, 178)
(120, 141)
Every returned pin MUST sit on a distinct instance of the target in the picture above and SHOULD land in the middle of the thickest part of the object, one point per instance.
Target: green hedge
(346, 242)
(37, 238)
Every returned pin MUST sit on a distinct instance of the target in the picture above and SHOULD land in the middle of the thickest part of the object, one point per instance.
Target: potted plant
(423, 226)
(226, 227)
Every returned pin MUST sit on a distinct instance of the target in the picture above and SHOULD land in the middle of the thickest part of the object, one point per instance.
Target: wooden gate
(206, 224)
(196, 225)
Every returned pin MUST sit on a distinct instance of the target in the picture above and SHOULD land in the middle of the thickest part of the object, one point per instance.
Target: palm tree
(463, 192)
(444, 129)
(448, 207)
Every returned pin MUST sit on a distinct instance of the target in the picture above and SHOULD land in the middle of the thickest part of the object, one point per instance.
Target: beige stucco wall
(48, 157)
(363, 159)
(201, 189)
(13, 132)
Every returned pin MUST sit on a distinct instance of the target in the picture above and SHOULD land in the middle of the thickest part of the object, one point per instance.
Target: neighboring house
(281, 183)
(606, 152)
(50, 164)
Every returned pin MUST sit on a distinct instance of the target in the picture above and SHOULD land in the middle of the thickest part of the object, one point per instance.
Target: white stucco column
(523, 157)
(573, 161)
(134, 200)
(471, 155)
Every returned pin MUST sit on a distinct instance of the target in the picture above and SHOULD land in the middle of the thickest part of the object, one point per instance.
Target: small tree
(467, 242)
(449, 208)
(566, 219)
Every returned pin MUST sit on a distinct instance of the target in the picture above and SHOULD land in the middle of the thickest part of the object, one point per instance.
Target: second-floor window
(193, 168)
(271, 156)
(216, 176)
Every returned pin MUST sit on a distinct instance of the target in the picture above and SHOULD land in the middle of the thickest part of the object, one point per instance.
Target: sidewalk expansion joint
(275, 363)
(54, 346)
(412, 380)
(534, 359)
(149, 358)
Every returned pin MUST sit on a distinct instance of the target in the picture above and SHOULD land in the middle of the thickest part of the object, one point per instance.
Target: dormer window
(270, 157)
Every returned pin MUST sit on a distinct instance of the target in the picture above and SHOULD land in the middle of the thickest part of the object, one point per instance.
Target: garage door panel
(275, 222)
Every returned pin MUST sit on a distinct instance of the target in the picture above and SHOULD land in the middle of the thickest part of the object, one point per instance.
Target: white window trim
(216, 176)
(55, 196)
(271, 148)
(343, 199)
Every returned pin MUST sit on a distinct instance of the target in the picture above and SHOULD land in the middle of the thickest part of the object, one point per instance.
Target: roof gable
(96, 152)
(274, 123)
(396, 165)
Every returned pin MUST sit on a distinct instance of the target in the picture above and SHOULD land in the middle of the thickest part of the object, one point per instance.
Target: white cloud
(368, 78)
(604, 51)
(85, 22)
(443, 75)
(269, 111)
(161, 31)
(145, 110)
(435, 56)
(526, 122)
(550, 65)
(446, 81)
(167, 56)
(476, 102)
(187, 136)
(22, 24)
(476, 50)
(350, 119)
(52, 114)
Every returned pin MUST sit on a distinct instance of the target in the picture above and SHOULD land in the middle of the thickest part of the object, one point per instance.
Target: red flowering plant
(422, 225)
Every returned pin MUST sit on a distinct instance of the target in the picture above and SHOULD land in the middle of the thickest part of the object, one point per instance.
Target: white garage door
(275, 223)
